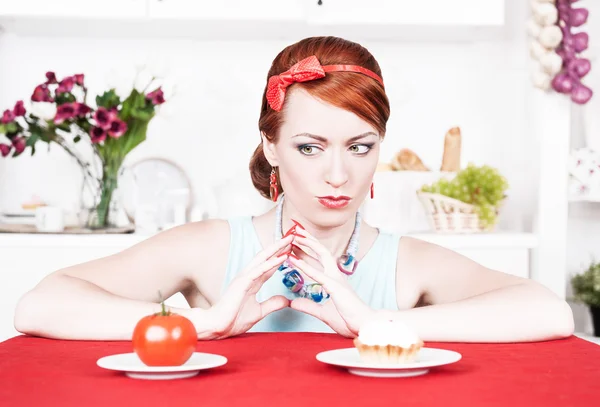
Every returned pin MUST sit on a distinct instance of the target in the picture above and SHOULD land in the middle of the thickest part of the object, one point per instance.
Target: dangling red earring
(273, 190)
(372, 191)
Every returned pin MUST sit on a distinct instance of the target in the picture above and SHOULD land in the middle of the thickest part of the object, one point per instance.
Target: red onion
(578, 17)
(580, 41)
(563, 8)
(579, 67)
(562, 83)
(581, 94)
(566, 53)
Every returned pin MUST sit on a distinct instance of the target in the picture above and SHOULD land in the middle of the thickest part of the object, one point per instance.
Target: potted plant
(467, 203)
(111, 130)
(586, 289)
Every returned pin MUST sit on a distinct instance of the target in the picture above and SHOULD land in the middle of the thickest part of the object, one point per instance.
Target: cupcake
(387, 342)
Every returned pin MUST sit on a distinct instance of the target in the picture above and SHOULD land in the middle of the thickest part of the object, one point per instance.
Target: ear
(269, 150)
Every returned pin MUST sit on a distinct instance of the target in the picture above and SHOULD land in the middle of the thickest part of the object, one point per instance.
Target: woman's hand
(237, 311)
(344, 312)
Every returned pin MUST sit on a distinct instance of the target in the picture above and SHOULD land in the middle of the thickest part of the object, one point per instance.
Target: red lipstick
(334, 202)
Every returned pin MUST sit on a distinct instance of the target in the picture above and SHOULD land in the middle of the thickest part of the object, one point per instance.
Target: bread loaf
(452, 147)
(407, 160)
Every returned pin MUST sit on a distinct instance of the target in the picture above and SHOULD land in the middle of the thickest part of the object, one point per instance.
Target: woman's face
(326, 157)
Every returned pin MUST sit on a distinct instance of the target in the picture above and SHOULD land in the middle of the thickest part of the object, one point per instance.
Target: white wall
(219, 85)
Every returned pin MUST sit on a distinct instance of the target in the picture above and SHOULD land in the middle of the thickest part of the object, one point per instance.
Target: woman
(323, 118)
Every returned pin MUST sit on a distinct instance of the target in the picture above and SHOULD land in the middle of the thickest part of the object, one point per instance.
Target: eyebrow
(324, 140)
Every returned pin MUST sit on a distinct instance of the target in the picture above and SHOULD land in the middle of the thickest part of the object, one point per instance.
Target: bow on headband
(306, 70)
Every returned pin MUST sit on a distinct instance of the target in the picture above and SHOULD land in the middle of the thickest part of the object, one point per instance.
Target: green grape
(483, 186)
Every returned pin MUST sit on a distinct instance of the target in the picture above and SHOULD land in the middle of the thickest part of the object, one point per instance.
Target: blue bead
(293, 280)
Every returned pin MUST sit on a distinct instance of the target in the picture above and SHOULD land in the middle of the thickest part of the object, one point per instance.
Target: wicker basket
(449, 215)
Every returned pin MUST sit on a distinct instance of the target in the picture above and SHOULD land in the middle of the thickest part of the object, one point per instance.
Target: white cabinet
(408, 12)
(226, 10)
(27, 259)
(113, 9)
(289, 20)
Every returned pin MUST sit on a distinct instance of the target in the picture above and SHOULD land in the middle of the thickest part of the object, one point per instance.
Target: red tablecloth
(280, 369)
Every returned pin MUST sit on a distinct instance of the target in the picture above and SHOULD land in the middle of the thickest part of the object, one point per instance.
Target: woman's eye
(360, 148)
(308, 150)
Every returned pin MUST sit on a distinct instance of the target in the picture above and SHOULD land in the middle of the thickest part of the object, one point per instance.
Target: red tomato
(164, 339)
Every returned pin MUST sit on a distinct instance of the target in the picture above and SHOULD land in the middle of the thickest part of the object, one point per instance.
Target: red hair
(354, 92)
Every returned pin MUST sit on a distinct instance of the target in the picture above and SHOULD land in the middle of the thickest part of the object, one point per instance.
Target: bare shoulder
(205, 252)
(203, 246)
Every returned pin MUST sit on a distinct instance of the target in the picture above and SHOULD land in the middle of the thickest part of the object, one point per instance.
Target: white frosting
(387, 332)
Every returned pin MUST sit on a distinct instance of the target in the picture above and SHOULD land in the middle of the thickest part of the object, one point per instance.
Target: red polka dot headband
(306, 70)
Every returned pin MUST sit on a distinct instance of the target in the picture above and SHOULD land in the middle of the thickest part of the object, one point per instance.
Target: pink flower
(41, 94)
(7, 117)
(5, 149)
(117, 128)
(19, 109)
(66, 85)
(157, 97)
(50, 78)
(104, 118)
(97, 134)
(82, 109)
(64, 112)
(79, 79)
(19, 144)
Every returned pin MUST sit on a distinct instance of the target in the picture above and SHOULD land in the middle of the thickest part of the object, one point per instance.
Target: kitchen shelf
(591, 198)
(34, 240)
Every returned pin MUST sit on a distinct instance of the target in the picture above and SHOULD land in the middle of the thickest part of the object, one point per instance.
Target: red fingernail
(296, 247)
(299, 235)
(298, 224)
(294, 256)
(291, 231)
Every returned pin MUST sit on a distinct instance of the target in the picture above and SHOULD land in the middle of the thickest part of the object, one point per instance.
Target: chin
(333, 217)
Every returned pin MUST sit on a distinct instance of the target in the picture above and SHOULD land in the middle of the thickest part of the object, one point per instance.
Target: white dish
(133, 367)
(154, 182)
(426, 359)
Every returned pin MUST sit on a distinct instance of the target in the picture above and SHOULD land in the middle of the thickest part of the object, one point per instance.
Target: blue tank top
(374, 280)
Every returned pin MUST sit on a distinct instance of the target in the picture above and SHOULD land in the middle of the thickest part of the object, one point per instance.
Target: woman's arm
(103, 299)
(466, 302)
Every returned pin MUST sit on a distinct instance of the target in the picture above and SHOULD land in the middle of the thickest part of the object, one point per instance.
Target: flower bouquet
(112, 129)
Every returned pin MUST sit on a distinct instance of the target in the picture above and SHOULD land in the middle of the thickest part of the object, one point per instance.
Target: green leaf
(77, 139)
(64, 126)
(141, 114)
(31, 140)
(108, 100)
(2, 129)
(11, 127)
(65, 98)
(32, 150)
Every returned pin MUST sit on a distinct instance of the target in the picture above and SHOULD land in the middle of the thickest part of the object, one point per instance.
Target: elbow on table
(26, 319)
(563, 324)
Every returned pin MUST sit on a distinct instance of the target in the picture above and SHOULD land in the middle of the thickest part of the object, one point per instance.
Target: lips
(334, 202)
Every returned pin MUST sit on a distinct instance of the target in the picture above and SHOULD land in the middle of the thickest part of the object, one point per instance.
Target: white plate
(155, 182)
(133, 367)
(426, 359)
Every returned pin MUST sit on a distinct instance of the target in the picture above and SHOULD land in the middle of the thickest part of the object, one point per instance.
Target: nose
(336, 174)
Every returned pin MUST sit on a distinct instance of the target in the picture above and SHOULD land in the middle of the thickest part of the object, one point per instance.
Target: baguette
(452, 147)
